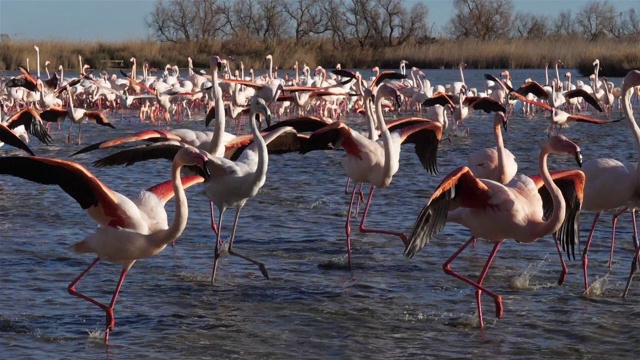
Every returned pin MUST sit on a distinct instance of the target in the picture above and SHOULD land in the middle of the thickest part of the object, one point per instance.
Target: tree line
(377, 23)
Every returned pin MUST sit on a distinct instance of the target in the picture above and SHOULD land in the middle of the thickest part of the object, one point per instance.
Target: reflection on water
(312, 307)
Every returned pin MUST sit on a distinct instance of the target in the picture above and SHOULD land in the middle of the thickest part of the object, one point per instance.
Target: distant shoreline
(616, 56)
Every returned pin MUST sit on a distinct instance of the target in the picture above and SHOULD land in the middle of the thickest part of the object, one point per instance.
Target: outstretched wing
(459, 188)
(92, 195)
(571, 184)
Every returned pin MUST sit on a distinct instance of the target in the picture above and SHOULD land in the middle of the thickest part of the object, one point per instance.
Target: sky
(115, 20)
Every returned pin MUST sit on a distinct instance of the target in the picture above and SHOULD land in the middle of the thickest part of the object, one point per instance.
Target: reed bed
(616, 55)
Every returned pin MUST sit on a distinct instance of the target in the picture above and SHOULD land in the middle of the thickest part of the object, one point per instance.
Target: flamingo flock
(485, 194)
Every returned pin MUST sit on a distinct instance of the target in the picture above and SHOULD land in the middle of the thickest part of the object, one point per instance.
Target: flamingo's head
(560, 144)
(631, 80)
(215, 60)
(501, 119)
(133, 60)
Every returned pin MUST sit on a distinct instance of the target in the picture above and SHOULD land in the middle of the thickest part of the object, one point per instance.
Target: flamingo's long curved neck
(461, 74)
(385, 135)
(217, 147)
(557, 75)
(38, 60)
(270, 75)
(626, 98)
(182, 211)
(557, 216)
(263, 156)
(500, 149)
(546, 74)
(368, 109)
(596, 70)
(133, 70)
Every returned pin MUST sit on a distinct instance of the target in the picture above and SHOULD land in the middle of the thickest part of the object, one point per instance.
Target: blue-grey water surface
(387, 306)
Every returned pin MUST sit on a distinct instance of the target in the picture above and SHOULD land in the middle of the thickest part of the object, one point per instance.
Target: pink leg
(360, 198)
(585, 259)
(110, 321)
(263, 269)
(565, 270)
(213, 219)
(634, 263)
(614, 222)
(347, 227)
(497, 298)
(346, 187)
(402, 236)
(216, 253)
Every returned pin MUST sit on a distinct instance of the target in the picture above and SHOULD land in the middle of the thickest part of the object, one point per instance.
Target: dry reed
(615, 55)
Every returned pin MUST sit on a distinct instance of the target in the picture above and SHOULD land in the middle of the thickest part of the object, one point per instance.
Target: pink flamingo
(498, 212)
(375, 162)
(128, 229)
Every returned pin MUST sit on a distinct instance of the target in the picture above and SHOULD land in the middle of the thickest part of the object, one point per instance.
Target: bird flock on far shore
(311, 112)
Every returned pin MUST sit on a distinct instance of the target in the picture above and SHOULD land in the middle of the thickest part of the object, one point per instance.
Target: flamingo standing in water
(498, 212)
(128, 229)
(375, 162)
(78, 115)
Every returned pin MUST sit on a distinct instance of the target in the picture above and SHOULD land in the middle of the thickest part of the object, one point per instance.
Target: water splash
(598, 286)
(338, 263)
(96, 335)
(522, 281)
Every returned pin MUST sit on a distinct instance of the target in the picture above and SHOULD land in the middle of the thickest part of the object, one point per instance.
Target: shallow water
(386, 306)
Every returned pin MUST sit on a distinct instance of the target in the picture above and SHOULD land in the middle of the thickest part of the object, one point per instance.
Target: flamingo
(77, 116)
(375, 162)
(25, 121)
(498, 212)
(233, 182)
(600, 193)
(128, 229)
(495, 163)
(560, 118)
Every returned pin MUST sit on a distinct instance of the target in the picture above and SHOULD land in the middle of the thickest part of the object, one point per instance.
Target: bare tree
(333, 11)
(186, 20)
(530, 26)
(307, 18)
(564, 24)
(597, 19)
(629, 23)
(481, 19)
(400, 24)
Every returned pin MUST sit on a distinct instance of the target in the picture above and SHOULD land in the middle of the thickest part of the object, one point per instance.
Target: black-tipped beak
(505, 124)
(267, 119)
(219, 65)
(579, 158)
(398, 102)
(205, 170)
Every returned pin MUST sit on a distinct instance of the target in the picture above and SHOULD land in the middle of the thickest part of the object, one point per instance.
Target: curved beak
(505, 124)
(267, 119)
(398, 102)
(205, 170)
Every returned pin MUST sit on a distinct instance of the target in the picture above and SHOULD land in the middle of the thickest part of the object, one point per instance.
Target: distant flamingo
(497, 212)
(77, 116)
(128, 229)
